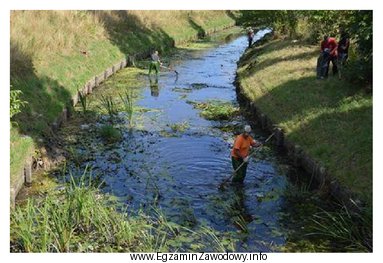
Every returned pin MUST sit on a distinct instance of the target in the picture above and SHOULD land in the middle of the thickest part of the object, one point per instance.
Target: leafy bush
(15, 102)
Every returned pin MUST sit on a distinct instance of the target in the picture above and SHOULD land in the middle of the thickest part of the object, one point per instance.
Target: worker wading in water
(240, 153)
(155, 64)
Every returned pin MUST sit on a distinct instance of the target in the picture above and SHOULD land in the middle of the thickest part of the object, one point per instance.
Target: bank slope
(54, 53)
(330, 119)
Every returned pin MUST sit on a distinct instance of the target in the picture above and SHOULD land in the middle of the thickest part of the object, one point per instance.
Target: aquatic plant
(110, 134)
(84, 101)
(350, 228)
(216, 110)
(127, 100)
(179, 127)
(107, 103)
(81, 219)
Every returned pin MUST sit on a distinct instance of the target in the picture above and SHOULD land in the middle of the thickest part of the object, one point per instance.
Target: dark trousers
(250, 39)
(240, 175)
(334, 61)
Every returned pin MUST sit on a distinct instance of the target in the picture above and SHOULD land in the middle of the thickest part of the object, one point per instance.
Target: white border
(195, 4)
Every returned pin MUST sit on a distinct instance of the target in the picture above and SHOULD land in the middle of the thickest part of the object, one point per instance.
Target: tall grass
(83, 220)
(351, 229)
(84, 101)
(108, 104)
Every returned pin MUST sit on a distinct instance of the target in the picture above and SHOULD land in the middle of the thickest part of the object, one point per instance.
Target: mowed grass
(54, 53)
(331, 119)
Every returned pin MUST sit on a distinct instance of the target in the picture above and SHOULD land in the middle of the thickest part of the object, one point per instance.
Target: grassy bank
(54, 53)
(330, 119)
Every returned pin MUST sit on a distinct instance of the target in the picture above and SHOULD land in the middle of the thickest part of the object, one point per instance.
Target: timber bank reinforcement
(166, 257)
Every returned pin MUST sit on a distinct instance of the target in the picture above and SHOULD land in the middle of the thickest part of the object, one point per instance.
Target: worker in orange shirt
(240, 153)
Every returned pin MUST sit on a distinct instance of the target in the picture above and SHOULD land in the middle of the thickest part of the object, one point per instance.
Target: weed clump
(216, 110)
(110, 134)
(179, 127)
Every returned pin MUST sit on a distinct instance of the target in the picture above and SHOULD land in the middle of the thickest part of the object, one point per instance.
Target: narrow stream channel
(179, 172)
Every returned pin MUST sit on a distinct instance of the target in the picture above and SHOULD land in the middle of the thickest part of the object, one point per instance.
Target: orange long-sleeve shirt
(243, 145)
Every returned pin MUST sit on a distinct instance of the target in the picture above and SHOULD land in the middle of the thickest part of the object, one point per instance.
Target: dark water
(180, 171)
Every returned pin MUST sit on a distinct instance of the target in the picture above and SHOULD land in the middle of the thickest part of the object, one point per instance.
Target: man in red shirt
(329, 49)
(240, 153)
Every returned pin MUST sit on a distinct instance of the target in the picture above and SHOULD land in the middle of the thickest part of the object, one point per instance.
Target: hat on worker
(247, 128)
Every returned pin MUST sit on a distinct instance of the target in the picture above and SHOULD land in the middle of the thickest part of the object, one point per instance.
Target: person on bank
(343, 45)
(155, 64)
(250, 36)
(240, 153)
(329, 49)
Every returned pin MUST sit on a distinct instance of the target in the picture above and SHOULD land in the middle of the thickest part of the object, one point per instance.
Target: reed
(127, 101)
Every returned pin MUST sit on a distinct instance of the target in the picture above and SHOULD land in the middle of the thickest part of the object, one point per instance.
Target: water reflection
(154, 88)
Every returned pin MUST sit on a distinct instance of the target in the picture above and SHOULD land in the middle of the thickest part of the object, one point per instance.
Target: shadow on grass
(46, 98)
(331, 120)
(200, 31)
(131, 36)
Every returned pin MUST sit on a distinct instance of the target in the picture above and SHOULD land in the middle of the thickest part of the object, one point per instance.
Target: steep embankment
(330, 119)
(54, 53)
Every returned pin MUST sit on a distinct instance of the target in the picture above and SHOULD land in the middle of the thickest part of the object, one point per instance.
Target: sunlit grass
(331, 119)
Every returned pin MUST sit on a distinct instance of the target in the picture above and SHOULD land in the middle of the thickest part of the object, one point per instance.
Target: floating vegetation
(199, 85)
(185, 90)
(179, 127)
(110, 134)
(230, 127)
(183, 96)
(216, 110)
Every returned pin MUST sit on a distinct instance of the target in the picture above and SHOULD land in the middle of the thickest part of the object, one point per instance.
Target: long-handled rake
(169, 69)
(221, 185)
